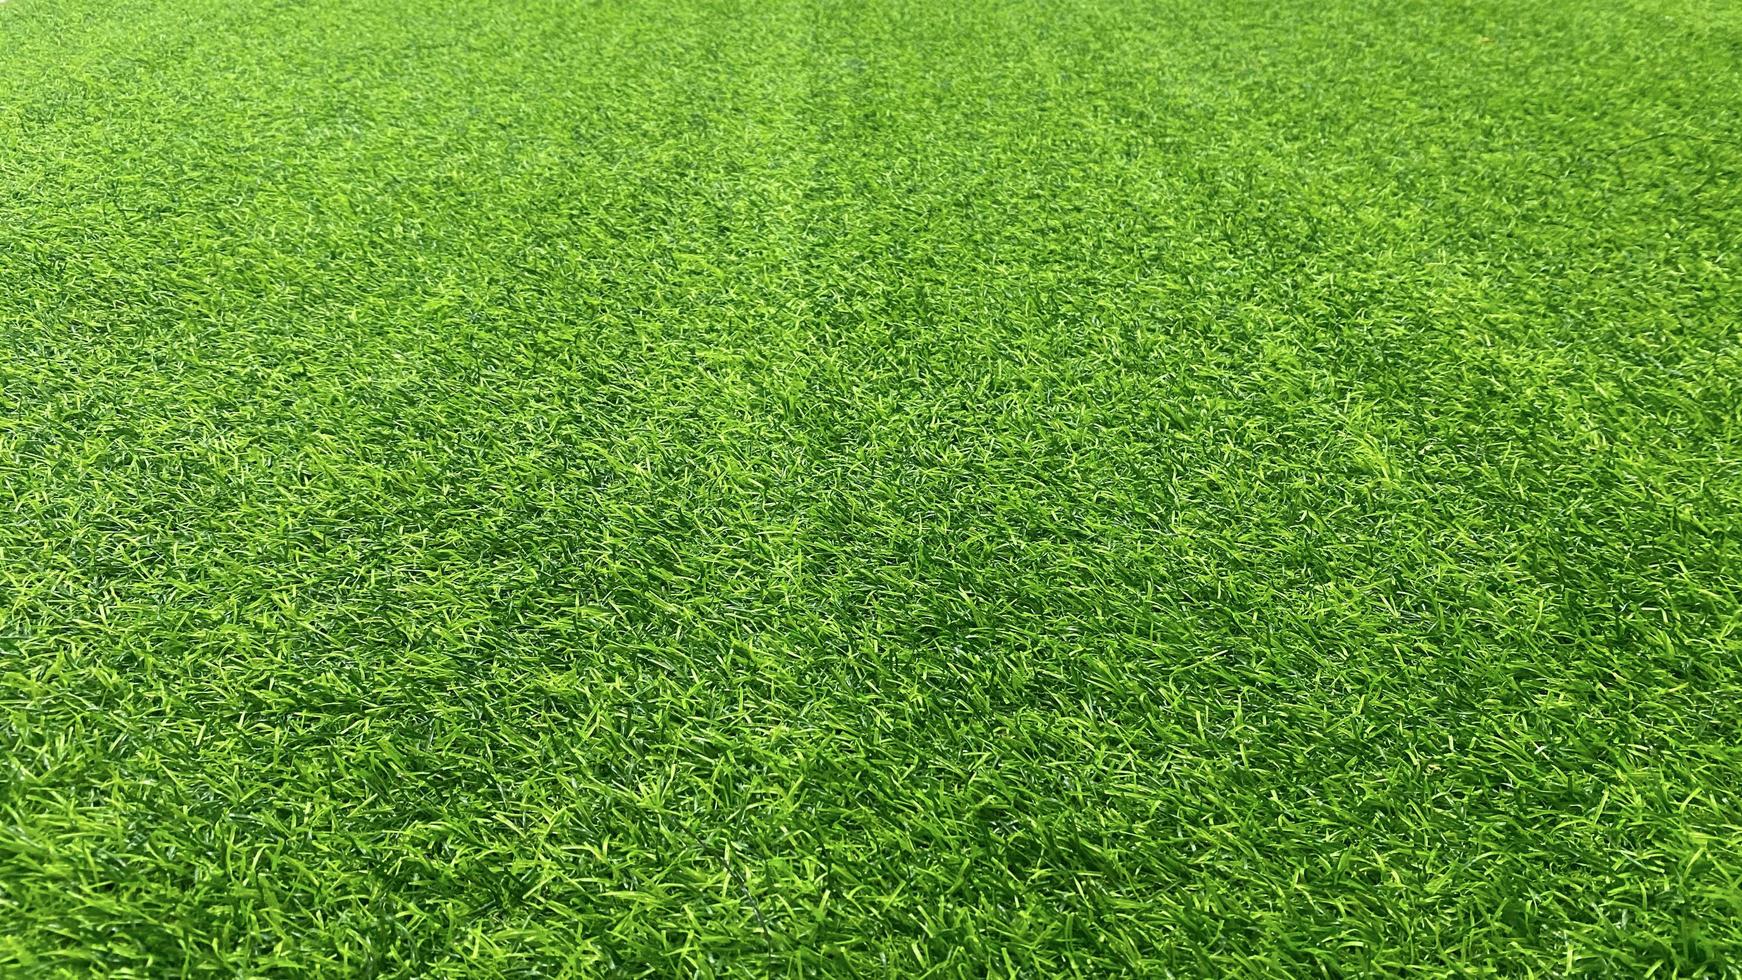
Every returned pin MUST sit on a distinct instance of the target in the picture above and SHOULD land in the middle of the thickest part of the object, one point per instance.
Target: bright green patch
(888, 488)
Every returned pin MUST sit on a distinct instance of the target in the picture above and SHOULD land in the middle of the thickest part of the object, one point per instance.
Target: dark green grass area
(894, 488)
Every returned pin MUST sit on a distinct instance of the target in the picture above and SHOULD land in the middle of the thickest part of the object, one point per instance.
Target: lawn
(1045, 488)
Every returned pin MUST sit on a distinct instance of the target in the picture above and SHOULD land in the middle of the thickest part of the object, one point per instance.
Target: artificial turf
(873, 488)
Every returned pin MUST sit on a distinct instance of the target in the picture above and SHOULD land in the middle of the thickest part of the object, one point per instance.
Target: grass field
(882, 488)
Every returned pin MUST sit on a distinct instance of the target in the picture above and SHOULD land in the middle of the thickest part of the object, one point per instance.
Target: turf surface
(881, 488)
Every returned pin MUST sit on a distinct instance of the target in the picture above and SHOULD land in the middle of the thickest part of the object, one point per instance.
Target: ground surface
(1190, 489)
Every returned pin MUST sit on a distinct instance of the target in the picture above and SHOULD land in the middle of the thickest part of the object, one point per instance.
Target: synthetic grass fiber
(880, 488)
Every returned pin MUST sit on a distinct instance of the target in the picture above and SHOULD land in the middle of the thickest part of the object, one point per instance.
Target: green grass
(879, 488)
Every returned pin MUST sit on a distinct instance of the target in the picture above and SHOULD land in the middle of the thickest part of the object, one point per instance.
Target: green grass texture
(871, 488)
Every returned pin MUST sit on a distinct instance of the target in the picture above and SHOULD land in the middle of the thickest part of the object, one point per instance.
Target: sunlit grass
(870, 489)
